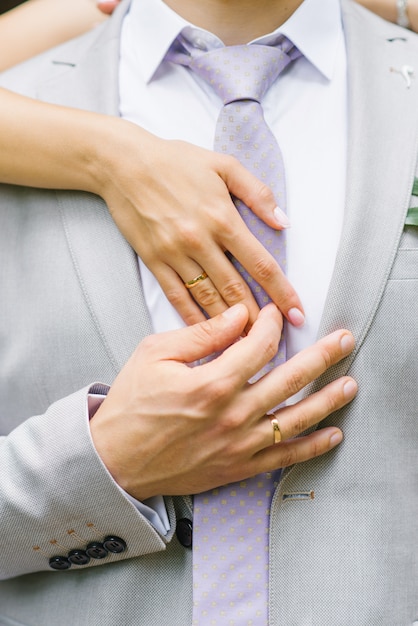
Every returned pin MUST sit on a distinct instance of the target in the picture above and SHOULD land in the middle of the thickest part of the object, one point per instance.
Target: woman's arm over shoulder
(389, 11)
(37, 25)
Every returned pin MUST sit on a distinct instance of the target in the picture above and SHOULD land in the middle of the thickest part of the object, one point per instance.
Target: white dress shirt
(306, 110)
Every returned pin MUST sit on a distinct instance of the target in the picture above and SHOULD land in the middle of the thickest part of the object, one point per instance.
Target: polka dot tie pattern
(231, 523)
(240, 76)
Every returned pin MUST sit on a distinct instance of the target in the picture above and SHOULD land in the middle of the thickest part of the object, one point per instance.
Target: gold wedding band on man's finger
(191, 283)
(277, 435)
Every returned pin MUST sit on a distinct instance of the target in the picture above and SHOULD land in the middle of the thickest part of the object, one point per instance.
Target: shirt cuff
(153, 509)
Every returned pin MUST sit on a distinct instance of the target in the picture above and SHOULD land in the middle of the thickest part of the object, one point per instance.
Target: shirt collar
(315, 28)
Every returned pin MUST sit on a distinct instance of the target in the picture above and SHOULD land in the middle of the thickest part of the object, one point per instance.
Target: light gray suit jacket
(72, 311)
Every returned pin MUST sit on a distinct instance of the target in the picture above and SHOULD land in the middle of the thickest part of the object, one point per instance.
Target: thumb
(255, 194)
(200, 340)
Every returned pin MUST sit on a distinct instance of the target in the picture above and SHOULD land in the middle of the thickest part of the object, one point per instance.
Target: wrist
(116, 454)
(120, 153)
(101, 153)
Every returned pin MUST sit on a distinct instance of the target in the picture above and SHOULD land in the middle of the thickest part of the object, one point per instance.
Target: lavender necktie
(231, 523)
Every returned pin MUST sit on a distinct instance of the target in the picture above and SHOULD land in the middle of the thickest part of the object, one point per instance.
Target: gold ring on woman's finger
(191, 283)
(277, 435)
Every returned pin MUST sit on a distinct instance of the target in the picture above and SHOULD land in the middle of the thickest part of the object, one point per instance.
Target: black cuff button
(78, 557)
(60, 563)
(114, 544)
(96, 550)
(184, 532)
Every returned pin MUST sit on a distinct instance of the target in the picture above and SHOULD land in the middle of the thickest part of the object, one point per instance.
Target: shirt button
(59, 563)
(184, 532)
(78, 557)
(96, 550)
(114, 544)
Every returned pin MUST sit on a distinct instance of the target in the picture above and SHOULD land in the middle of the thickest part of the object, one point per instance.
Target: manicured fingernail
(347, 343)
(296, 317)
(350, 389)
(281, 218)
(335, 439)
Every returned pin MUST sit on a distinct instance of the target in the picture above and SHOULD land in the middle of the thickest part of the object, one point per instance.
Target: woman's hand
(171, 200)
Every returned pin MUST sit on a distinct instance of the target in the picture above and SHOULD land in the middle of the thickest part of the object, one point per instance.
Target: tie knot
(239, 72)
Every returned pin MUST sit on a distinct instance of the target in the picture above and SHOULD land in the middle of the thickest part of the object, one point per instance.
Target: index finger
(265, 270)
(291, 377)
(245, 358)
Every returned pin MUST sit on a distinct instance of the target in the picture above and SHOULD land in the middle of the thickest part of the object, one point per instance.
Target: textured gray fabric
(344, 527)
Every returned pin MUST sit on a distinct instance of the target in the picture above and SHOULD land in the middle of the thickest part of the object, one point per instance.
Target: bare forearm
(387, 10)
(43, 145)
(153, 187)
(37, 25)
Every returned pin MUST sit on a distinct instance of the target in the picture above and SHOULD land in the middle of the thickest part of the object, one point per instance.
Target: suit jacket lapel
(85, 75)
(382, 153)
(382, 161)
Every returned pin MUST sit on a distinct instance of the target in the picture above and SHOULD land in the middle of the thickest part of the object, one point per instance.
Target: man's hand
(167, 428)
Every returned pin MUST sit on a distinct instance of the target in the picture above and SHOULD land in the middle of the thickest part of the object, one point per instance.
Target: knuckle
(190, 316)
(271, 347)
(295, 381)
(191, 237)
(316, 449)
(149, 344)
(264, 193)
(206, 295)
(216, 392)
(219, 217)
(288, 455)
(227, 160)
(166, 244)
(210, 336)
(333, 398)
(216, 389)
(223, 430)
(301, 422)
(265, 268)
(230, 422)
(234, 446)
(204, 333)
(326, 357)
(332, 402)
(175, 296)
(234, 291)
